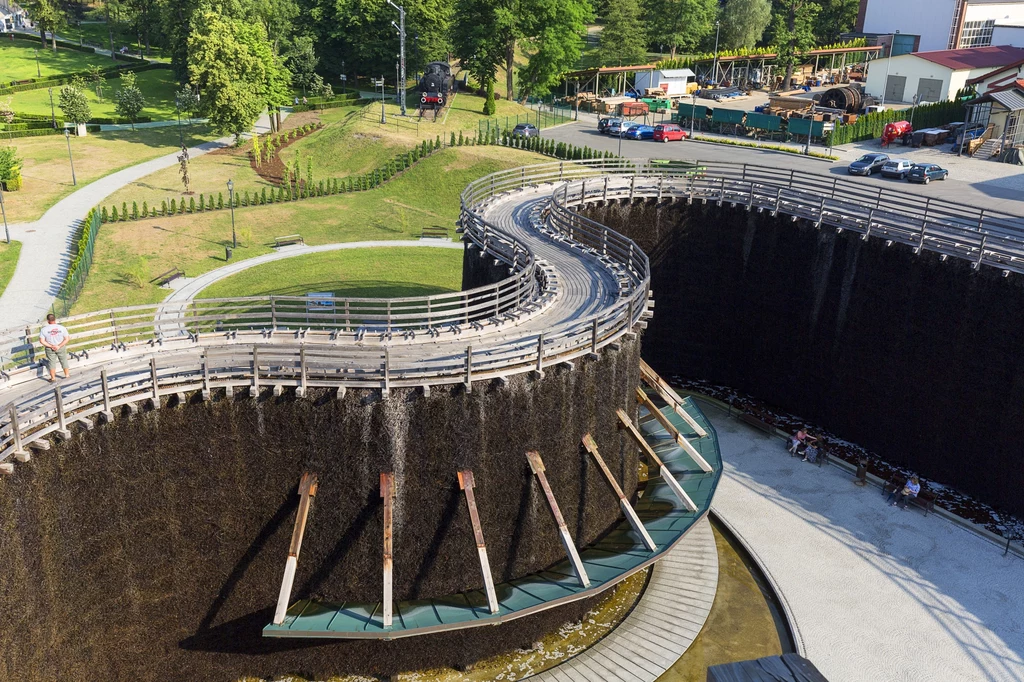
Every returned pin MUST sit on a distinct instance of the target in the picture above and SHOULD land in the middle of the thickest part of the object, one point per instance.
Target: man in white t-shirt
(54, 338)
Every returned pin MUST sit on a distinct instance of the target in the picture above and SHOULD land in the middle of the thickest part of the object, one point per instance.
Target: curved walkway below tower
(875, 593)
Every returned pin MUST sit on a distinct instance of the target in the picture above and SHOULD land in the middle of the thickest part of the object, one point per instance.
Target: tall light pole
(888, 63)
(177, 108)
(383, 118)
(53, 116)
(912, 111)
(231, 203)
(39, 73)
(714, 69)
(401, 53)
(693, 113)
(7, 231)
(67, 136)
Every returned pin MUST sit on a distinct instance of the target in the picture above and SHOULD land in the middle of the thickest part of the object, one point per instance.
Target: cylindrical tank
(845, 98)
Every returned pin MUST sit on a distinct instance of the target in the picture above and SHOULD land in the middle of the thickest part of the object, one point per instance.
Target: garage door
(894, 88)
(929, 90)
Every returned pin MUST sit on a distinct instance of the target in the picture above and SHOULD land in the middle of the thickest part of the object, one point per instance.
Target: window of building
(977, 33)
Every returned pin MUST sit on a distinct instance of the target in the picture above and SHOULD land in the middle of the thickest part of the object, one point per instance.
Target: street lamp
(7, 231)
(383, 118)
(53, 117)
(912, 109)
(67, 136)
(400, 86)
(888, 63)
(39, 73)
(693, 113)
(231, 203)
(177, 108)
(714, 69)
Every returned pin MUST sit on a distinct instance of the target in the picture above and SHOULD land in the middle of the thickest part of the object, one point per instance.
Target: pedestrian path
(875, 593)
(46, 243)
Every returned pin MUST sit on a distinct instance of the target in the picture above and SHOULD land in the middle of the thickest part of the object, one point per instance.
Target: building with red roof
(938, 75)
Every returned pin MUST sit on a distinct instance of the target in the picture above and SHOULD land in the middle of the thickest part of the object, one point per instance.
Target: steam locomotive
(435, 85)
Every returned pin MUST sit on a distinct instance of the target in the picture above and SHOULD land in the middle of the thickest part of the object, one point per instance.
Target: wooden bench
(751, 420)
(288, 239)
(434, 232)
(925, 499)
(167, 277)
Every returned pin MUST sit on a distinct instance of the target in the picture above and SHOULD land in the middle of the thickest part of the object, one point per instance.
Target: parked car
(867, 164)
(526, 130)
(668, 131)
(640, 132)
(897, 168)
(617, 127)
(605, 123)
(926, 172)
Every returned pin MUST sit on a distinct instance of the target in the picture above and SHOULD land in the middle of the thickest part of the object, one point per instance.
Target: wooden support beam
(466, 484)
(155, 395)
(591, 445)
(206, 376)
(41, 444)
(254, 391)
(277, 390)
(387, 491)
(642, 398)
(537, 466)
(107, 413)
(626, 423)
(20, 453)
(669, 395)
(307, 491)
(86, 423)
(7, 468)
(62, 419)
(300, 392)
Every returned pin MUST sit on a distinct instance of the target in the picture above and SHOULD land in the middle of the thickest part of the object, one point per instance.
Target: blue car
(640, 133)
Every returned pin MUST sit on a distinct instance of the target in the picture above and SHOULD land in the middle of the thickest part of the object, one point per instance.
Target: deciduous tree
(624, 38)
(835, 18)
(680, 24)
(129, 99)
(73, 103)
(744, 22)
(48, 15)
(553, 42)
(792, 31)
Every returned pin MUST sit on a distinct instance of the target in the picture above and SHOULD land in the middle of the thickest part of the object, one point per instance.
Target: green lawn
(158, 86)
(97, 34)
(355, 273)
(341, 148)
(425, 195)
(18, 61)
(8, 261)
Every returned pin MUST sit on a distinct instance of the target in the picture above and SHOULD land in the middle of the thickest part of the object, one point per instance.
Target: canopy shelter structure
(747, 70)
(616, 79)
(685, 464)
(1004, 108)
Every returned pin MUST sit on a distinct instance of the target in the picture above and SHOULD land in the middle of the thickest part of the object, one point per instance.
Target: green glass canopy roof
(617, 555)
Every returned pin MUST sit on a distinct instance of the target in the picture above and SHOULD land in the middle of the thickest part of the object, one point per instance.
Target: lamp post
(67, 136)
(714, 70)
(888, 63)
(39, 73)
(53, 116)
(231, 203)
(7, 231)
(810, 129)
(693, 113)
(177, 108)
(401, 54)
(383, 117)
(912, 109)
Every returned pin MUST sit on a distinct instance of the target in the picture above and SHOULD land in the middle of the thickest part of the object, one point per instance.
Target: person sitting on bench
(909, 492)
(810, 454)
(799, 440)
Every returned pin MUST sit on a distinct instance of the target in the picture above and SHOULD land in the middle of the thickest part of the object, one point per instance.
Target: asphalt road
(989, 194)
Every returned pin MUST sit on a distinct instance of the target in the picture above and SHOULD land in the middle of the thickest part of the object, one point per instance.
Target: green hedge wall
(870, 126)
(65, 78)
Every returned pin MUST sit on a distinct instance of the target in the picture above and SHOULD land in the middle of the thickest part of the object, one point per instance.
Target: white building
(672, 81)
(938, 75)
(944, 24)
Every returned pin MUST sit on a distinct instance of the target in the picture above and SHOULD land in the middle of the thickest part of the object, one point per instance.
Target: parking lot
(995, 186)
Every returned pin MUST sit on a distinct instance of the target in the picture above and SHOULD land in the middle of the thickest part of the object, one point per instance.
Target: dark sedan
(867, 164)
(926, 172)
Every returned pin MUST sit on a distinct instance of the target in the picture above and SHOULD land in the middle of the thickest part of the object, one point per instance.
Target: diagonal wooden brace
(307, 491)
(387, 492)
(591, 445)
(642, 398)
(626, 423)
(669, 395)
(466, 484)
(537, 466)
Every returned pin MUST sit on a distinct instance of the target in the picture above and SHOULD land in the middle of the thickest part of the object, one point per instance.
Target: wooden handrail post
(206, 375)
(20, 453)
(153, 380)
(469, 367)
(540, 354)
(113, 325)
(302, 371)
(537, 467)
(387, 492)
(466, 484)
(106, 395)
(255, 371)
(307, 491)
(62, 418)
(634, 521)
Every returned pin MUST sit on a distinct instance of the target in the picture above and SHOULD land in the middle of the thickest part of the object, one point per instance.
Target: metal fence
(539, 118)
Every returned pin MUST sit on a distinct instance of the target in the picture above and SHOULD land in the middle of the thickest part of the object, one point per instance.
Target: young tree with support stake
(73, 103)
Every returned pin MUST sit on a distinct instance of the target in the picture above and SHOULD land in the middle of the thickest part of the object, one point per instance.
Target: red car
(668, 131)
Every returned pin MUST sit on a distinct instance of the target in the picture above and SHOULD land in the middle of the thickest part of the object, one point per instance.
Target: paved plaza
(876, 593)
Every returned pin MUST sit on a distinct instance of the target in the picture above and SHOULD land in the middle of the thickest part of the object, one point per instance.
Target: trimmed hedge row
(333, 104)
(65, 78)
(870, 126)
(81, 262)
(41, 132)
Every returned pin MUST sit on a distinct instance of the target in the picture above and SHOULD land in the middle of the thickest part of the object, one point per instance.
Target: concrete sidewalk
(876, 593)
(47, 243)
